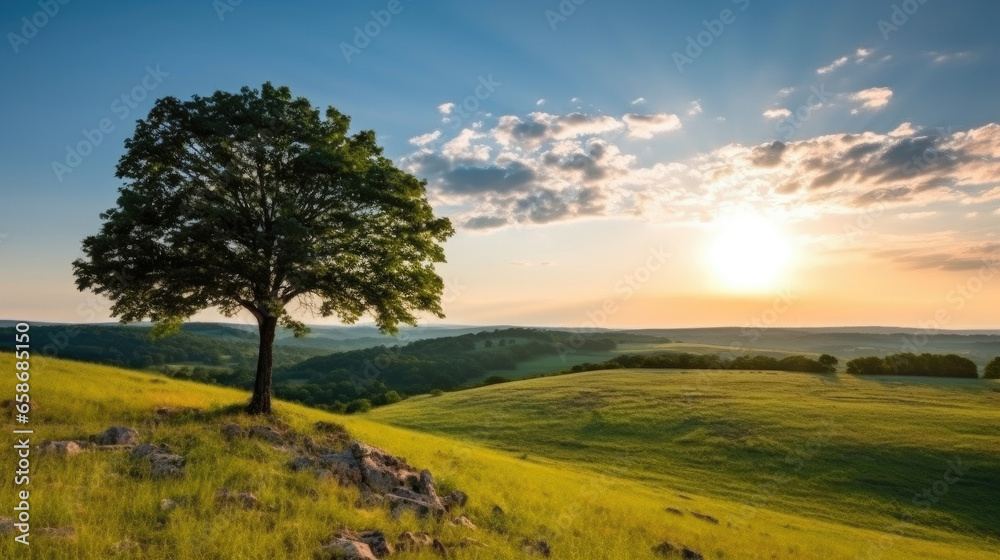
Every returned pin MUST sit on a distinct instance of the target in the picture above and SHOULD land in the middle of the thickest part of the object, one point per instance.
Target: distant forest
(359, 379)
(356, 380)
(348, 381)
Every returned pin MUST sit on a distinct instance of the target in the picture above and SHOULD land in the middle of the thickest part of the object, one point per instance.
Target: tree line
(920, 365)
(683, 360)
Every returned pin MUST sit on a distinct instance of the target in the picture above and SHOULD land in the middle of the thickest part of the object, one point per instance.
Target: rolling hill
(857, 451)
(95, 506)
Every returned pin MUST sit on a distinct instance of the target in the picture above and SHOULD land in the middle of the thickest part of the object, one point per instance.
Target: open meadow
(95, 506)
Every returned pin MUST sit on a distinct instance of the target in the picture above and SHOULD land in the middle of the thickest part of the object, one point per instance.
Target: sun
(749, 253)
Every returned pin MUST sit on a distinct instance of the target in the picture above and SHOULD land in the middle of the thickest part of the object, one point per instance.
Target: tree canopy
(250, 201)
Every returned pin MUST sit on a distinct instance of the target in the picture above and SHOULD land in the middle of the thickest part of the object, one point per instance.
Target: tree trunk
(260, 403)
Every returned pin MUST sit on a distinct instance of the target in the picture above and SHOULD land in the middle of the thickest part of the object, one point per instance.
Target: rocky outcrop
(346, 549)
(162, 461)
(65, 448)
(415, 542)
(118, 435)
(382, 477)
(364, 545)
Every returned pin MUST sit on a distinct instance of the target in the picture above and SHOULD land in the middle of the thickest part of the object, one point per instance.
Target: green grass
(553, 363)
(835, 447)
(583, 514)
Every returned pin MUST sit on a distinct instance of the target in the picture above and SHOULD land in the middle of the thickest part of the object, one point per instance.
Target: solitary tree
(252, 201)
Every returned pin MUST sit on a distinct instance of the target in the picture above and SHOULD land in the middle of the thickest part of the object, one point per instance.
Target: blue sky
(526, 250)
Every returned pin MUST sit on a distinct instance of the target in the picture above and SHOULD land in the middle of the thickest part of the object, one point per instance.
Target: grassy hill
(101, 509)
(856, 451)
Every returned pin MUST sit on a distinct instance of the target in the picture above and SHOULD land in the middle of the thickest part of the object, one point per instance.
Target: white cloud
(832, 66)
(971, 214)
(638, 101)
(446, 108)
(862, 54)
(779, 113)
(545, 168)
(645, 126)
(944, 58)
(905, 129)
(916, 215)
(785, 92)
(871, 99)
(540, 128)
(695, 108)
(576, 100)
(425, 139)
(720, 119)
(540, 102)
(461, 147)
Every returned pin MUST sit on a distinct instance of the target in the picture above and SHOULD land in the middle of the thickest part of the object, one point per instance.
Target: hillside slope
(96, 507)
(859, 451)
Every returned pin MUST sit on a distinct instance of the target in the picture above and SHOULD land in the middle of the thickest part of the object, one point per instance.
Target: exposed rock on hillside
(118, 435)
(383, 477)
(705, 517)
(67, 448)
(163, 463)
(668, 549)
